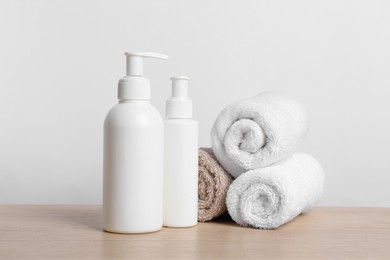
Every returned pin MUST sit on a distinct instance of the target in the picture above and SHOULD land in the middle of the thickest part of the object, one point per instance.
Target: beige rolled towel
(213, 185)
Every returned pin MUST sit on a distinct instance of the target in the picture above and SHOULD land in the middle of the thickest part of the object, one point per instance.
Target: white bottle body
(133, 168)
(181, 173)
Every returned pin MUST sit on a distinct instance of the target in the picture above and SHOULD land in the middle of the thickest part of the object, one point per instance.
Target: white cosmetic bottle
(181, 159)
(133, 155)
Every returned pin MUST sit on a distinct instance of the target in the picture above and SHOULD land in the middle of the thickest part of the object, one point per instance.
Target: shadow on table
(91, 217)
(82, 216)
(225, 219)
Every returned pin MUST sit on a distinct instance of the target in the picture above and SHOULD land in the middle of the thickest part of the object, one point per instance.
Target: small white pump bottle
(133, 155)
(181, 159)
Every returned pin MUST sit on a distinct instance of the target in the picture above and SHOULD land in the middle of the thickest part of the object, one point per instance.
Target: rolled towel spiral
(213, 185)
(259, 131)
(269, 197)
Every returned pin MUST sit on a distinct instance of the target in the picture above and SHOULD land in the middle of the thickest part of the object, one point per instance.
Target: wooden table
(75, 232)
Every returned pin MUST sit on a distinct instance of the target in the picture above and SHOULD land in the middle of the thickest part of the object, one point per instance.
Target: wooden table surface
(75, 232)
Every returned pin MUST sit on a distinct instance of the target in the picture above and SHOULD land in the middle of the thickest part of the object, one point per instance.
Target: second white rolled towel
(269, 197)
(258, 131)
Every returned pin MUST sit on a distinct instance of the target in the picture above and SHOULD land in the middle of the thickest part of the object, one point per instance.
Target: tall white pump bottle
(181, 159)
(133, 155)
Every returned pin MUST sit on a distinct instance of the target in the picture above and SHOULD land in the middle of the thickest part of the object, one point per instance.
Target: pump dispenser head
(134, 85)
(179, 105)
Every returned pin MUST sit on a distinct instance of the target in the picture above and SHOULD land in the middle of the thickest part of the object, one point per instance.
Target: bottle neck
(143, 101)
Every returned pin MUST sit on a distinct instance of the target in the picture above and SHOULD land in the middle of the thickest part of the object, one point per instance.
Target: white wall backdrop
(60, 62)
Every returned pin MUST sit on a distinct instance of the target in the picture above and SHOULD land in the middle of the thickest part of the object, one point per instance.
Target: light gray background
(60, 62)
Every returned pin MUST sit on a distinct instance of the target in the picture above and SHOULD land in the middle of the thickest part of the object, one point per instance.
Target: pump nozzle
(180, 86)
(134, 61)
(179, 105)
(134, 85)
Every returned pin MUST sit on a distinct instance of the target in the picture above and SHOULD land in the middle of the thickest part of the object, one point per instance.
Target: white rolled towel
(258, 131)
(269, 197)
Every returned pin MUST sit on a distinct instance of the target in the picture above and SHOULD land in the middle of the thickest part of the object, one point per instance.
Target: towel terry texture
(258, 131)
(269, 197)
(213, 185)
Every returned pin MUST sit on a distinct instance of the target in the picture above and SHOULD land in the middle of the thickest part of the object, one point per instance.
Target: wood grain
(75, 232)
